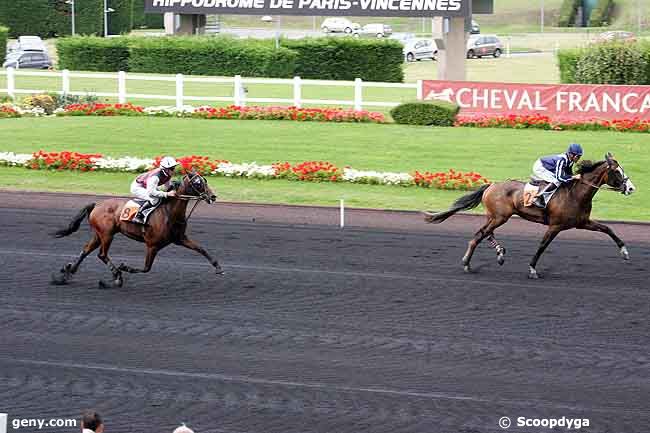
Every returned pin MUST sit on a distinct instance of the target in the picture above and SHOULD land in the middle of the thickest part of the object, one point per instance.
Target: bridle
(606, 187)
(199, 197)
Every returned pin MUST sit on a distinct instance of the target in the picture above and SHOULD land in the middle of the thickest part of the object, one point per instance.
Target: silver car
(334, 25)
(484, 45)
(374, 31)
(418, 49)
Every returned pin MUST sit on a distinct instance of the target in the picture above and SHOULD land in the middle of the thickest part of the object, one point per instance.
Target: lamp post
(71, 3)
(269, 19)
(107, 11)
(541, 18)
(638, 16)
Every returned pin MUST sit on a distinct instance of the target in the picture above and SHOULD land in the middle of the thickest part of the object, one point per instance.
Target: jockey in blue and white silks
(556, 170)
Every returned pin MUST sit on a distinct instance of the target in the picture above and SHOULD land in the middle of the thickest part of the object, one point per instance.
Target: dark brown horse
(570, 208)
(166, 226)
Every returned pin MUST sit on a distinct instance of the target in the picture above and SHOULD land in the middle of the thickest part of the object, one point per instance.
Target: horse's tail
(466, 202)
(75, 223)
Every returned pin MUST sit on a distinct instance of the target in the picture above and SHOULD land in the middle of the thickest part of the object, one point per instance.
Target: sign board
(374, 8)
(577, 102)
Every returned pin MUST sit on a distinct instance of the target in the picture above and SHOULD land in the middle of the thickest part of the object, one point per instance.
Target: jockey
(154, 185)
(556, 170)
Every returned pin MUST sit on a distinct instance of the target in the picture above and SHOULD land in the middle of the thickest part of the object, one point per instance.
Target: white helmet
(168, 162)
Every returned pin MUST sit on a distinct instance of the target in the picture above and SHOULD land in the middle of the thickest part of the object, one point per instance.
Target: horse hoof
(220, 272)
(625, 254)
(102, 285)
(501, 259)
(467, 269)
(533, 275)
(58, 279)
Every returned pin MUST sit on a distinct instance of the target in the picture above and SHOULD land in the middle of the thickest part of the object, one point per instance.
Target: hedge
(47, 18)
(600, 14)
(609, 63)
(323, 58)
(4, 35)
(434, 113)
(210, 56)
(348, 58)
(91, 53)
(568, 12)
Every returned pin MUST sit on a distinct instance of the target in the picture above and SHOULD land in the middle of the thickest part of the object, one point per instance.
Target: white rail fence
(238, 83)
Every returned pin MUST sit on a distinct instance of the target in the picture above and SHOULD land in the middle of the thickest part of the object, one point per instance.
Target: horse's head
(616, 177)
(195, 185)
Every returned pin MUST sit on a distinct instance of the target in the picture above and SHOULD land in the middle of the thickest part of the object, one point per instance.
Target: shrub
(600, 14)
(568, 13)
(567, 62)
(612, 63)
(348, 58)
(437, 113)
(4, 35)
(47, 18)
(89, 53)
(210, 56)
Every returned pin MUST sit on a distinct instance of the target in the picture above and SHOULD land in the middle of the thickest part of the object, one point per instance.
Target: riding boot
(139, 217)
(545, 195)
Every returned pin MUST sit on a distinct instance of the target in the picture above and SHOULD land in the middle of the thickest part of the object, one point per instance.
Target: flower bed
(309, 171)
(544, 122)
(229, 112)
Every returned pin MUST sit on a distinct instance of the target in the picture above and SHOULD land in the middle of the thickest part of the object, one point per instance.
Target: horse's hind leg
(501, 251)
(71, 268)
(106, 241)
(485, 231)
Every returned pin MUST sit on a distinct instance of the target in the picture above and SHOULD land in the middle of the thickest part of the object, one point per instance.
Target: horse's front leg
(598, 227)
(190, 244)
(148, 262)
(550, 234)
(500, 250)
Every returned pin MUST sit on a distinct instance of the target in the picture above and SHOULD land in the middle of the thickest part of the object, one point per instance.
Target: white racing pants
(542, 173)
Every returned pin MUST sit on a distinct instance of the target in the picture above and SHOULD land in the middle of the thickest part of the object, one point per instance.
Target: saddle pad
(530, 194)
(129, 211)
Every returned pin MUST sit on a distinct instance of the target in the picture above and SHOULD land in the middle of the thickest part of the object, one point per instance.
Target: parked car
(476, 29)
(337, 25)
(403, 38)
(28, 43)
(28, 60)
(485, 45)
(373, 31)
(418, 49)
(616, 35)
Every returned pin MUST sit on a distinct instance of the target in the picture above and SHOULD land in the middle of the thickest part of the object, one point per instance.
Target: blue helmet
(575, 148)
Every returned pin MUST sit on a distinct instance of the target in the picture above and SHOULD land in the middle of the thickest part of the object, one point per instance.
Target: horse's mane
(587, 166)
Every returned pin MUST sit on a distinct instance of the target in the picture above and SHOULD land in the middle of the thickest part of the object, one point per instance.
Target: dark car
(28, 60)
(476, 29)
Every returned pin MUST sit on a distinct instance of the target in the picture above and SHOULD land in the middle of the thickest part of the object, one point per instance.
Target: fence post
(121, 88)
(237, 91)
(11, 83)
(297, 92)
(420, 90)
(65, 82)
(358, 94)
(179, 91)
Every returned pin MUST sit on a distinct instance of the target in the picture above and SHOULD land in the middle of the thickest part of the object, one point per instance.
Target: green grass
(496, 153)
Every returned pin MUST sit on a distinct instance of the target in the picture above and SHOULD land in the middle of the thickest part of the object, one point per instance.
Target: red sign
(573, 102)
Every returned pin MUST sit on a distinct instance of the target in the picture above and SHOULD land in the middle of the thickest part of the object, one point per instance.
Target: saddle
(532, 190)
(132, 207)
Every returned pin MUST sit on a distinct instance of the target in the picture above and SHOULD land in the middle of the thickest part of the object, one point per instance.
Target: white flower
(387, 178)
(127, 164)
(14, 159)
(251, 169)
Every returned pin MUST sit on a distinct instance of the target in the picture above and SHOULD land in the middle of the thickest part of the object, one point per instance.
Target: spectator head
(92, 421)
(183, 429)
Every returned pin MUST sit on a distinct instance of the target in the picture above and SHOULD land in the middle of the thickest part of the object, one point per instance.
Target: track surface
(313, 329)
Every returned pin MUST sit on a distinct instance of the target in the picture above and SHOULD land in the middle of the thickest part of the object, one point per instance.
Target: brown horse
(570, 208)
(166, 226)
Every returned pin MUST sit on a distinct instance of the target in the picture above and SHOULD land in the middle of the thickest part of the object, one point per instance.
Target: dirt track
(374, 328)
